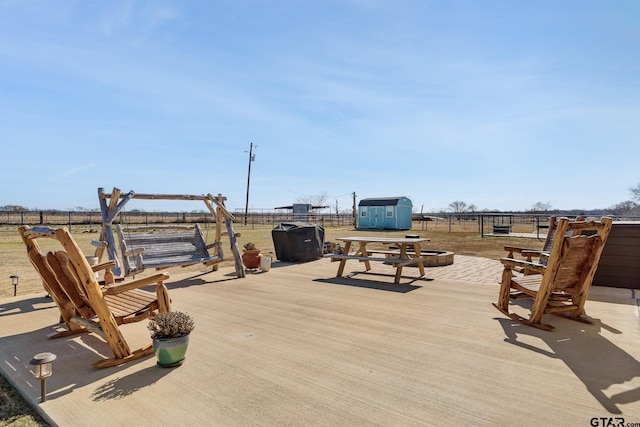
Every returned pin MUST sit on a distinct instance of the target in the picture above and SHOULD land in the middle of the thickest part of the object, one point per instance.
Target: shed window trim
(389, 211)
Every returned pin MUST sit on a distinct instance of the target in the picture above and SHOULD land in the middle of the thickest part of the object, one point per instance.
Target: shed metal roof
(380, 201)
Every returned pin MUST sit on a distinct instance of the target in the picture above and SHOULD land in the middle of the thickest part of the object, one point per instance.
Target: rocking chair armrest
(135, 284)
(517, 249)
(531, 266)
(103, 266)
(108, 277)
(512, 249)
(532, 252)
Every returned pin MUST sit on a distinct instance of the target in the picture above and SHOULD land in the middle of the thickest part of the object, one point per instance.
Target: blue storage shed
(391, 213)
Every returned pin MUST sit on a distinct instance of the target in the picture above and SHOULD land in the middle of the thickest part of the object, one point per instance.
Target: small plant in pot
(251, 255)
(170, 334)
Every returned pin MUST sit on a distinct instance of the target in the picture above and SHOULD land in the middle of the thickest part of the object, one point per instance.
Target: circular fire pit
(433, 258)
(437, 258)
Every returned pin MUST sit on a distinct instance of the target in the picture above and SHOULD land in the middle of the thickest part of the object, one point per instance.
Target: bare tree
(13, 208)
(635, 192)
(628, 207)
(540, 207)
(458, 206)
(318, 200)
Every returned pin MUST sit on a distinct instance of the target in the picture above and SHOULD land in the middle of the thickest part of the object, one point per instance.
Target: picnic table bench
(390, 260)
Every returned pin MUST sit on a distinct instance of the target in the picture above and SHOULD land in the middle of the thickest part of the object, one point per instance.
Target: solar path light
(42, 370)
(14, 282)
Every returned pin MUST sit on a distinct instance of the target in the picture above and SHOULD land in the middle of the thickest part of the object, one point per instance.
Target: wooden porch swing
(163, 246)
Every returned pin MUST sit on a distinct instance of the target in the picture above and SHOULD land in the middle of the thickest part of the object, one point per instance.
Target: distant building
(391, 213)
(301, 210)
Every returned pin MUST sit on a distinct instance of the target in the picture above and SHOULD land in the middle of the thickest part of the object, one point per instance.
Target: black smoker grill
(298, 242)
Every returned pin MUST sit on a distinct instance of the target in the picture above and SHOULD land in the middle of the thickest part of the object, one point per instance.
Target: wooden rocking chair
(84, 304)
(562, 285)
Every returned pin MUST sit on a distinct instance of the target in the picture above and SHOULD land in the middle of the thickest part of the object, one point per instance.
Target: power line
(297, 192)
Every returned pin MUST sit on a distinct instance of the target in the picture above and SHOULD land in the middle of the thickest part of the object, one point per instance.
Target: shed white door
(376, 216)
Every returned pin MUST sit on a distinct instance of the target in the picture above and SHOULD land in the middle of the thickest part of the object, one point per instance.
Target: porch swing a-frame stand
(163, 246)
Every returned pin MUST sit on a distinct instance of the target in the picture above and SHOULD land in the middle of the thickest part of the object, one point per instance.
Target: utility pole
(252, 158)
(355, 212)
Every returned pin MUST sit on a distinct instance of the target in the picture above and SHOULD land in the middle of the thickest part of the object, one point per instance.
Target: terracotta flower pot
(251, 258)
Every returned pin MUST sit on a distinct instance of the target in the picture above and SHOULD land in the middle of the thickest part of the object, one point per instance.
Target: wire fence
(93, 218)
(487, 224)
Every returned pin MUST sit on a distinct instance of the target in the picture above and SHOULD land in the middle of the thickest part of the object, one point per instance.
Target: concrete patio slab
(298, 346)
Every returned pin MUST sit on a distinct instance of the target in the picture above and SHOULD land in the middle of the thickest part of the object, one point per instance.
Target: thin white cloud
(75, 170)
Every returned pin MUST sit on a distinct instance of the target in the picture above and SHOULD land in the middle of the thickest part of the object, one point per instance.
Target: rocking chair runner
(562, 285)
(85, 305)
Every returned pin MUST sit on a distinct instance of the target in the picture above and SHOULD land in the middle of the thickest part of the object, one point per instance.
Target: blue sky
(500, 104)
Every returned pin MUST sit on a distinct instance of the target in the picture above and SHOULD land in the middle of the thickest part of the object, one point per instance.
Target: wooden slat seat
(164, 246)
(130, 304)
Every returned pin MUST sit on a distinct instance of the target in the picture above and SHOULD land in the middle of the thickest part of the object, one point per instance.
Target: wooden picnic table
(407, 253)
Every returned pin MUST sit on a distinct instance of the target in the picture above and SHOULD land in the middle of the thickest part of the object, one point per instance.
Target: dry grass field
(462, 238)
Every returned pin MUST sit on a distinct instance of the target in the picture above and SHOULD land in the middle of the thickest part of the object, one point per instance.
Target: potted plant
(170, 334)
(251, 255)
